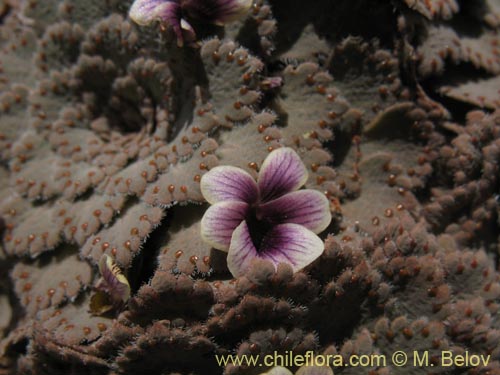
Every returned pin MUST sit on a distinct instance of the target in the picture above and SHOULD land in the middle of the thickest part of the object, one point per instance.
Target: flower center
(258, 227)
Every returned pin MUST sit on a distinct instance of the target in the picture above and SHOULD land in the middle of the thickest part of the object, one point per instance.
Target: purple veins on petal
(241, 250)
(309, 208)
(169, 13)
(144, 12)
(292, 244)
(228, 183)
(220, 221)
(281, 173)
(285, 243)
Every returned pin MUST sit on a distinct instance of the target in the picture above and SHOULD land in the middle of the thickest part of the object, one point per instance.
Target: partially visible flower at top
(304, 370)
(177, 14)
(113, 288)
(268, 219)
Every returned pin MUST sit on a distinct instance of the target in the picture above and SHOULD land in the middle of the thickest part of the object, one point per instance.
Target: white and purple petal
(227, 183)
(144, 12)
(309, 208)
(284, 243)
(281, 173)
(216, 11)
(241, 251)
(220, 221)
(292, 244)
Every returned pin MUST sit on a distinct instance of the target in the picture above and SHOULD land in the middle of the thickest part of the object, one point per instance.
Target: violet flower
(177, 14)
(269, 219)
(112, 289)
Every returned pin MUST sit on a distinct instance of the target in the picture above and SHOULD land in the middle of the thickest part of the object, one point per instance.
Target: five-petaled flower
(177, 14)
(268, 219)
